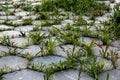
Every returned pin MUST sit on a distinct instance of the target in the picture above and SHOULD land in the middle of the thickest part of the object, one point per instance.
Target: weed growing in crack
(27, 21)
(114, 22)
(2, 71)
(44, 15)
(37, 27)
(105, 38)
(103, 52)
(111, 55)
(5, 8)
(81, 21)
(28, 56)
(68, 38)
(39, 67)
(88, 48)
(87, 32)
(5, 40)
(49, 46)
(53, 31)
(69, 35)
(114, 58)
(95, 68)
(36, 37)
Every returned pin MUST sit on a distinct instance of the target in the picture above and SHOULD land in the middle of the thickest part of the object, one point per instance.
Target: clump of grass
(89, 51)
(39, 67)
(115, 22)
(95, 68)
(111, 55)
(5, 40)
(27, 21)
(2, 71)
(53, 31)
(114, 58)
(49, 46)
(36, 37)
(37, 27)
(105, 38)
(76, 6)
(81, 21)
(69, 34)
(43, 16)
(104, 52)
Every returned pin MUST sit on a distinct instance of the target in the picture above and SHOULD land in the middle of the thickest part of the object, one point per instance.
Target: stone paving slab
(24, 74)
(47, 60)
(12, 63)
(113, 75)
(15, 60)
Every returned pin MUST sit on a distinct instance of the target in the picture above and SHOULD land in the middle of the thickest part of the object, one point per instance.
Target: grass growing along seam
(115, 22)
(77, 6)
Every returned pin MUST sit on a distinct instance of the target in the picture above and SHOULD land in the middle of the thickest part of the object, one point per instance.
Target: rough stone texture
(22, 13)
(66, 75)
(113, 75)
(10, 33)
(85, 76)
(47, 60)
(16, 63)
(9, 17)
(96, 50)
(17, 22)
(24, 75)
(24, 28)
(107, 63)
(67, 21)
(5, 27)
(116, 43)
(31, 50)
(20, 42)
(118, 64)
(3, 50)
(70, 75)
(36, 22)
(88, 40)
(65, 49)
(12, 63)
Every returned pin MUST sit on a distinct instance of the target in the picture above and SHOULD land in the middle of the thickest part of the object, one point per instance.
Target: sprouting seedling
(49, 45)
(104, 52)
(37, 27)
(6, 41)
(89, 47)
(105, 38)
(114, 57)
